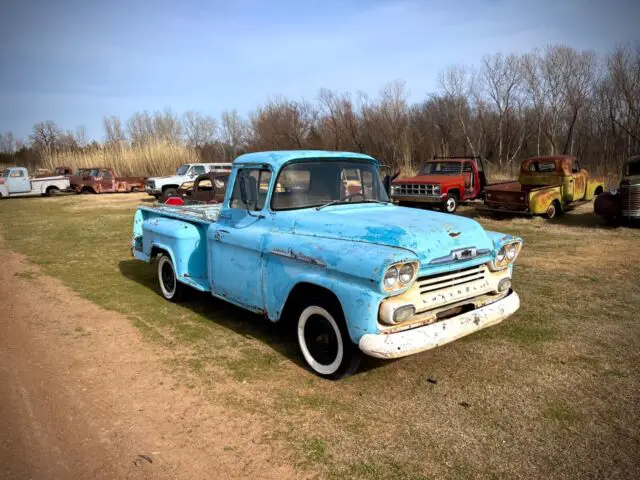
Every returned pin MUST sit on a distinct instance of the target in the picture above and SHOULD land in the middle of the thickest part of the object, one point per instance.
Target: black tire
(52, 191)
(324, 340)
(169, 192)
(451, 203)
(170, 287)
(552, 211)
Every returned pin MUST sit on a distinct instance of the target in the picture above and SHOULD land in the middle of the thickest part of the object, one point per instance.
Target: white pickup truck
(166, 186)
(15, 182)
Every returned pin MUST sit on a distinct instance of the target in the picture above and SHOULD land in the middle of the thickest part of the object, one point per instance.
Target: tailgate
(510, 196)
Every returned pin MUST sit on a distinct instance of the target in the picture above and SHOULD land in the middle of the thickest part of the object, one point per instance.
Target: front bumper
(419, 199)
(419, 339)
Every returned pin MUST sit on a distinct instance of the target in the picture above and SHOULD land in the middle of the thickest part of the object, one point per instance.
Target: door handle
(217, 235)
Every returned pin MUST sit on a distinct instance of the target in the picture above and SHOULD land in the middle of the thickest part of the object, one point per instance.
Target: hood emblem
(460, 255)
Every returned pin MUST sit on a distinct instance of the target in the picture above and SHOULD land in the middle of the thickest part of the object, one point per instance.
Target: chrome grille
(450, 287)
(415, 189)
(630, 200)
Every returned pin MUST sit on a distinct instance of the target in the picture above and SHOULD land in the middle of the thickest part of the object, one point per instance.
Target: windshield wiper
(339, 202)
(332, 202)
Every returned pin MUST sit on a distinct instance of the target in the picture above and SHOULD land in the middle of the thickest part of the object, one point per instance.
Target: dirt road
(82, 396)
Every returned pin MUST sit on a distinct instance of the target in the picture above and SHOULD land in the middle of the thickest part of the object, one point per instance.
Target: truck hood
(429, 235)
(169, 178)
(440, 179)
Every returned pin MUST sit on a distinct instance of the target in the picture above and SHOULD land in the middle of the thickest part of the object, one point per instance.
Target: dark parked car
(622, 204)
(208, 188)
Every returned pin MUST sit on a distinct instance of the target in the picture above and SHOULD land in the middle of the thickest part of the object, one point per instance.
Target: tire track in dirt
(82, 396)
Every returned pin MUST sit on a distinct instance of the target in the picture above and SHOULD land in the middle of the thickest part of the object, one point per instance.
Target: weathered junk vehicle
(548, 185)
(207, 188)
(15, 182)
(356, 273)
(105, 180)
(167, 186)
(622, 204)
(442, 182)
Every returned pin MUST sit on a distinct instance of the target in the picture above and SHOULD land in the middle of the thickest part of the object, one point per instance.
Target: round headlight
(391, 277)
(511, 251)
(406, 273)
(501, 254)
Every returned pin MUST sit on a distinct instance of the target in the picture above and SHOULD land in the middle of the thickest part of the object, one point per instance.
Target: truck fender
(540, 200)
(595, 186)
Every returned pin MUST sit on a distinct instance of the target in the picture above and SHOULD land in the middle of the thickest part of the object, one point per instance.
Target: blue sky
(75, 61)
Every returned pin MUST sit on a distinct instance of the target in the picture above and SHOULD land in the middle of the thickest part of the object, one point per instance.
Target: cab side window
(17, 173)
(197, 170)
(106, 174)
(256, 183)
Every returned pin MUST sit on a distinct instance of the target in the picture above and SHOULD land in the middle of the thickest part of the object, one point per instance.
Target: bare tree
(233, 135)
(80, 137)
(459, 84)
(199, 129)
(46, 136)
(166, 127)
(501, 81)
(7, 143)
(113, 131)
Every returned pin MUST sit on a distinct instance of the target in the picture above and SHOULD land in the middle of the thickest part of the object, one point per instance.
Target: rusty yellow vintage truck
(548, 185)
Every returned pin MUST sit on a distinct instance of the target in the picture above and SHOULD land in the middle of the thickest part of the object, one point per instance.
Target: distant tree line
(552, 101)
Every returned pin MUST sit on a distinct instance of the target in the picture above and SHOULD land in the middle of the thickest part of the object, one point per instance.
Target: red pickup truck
(104, 180)
(442, 182)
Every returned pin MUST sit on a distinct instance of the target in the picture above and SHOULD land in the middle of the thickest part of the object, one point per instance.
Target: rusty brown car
(547, 185)
(105, 180)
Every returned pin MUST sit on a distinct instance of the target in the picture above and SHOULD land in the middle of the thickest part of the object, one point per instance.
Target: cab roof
(279, 157)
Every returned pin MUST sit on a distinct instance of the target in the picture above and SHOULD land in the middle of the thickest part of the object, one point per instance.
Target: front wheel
(325, 342)
(451, 203)
(170, 287)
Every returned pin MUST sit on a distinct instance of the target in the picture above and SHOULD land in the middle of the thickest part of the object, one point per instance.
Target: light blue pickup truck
(355, 273)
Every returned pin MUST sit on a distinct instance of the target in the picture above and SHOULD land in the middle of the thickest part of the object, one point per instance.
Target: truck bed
(206, 213)
(514, 197)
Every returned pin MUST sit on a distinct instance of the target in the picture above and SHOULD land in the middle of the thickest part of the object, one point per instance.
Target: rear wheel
(324, 340)
(451, 203)
(170, 287)
(52, 191)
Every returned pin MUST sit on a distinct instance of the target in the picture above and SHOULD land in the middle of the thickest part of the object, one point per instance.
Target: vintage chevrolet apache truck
(547, 185)
(356, 273)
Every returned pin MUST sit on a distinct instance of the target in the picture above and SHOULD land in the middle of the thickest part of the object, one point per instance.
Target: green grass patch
(389, 421)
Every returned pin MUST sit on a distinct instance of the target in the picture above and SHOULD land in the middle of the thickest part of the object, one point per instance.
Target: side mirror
(245, 192)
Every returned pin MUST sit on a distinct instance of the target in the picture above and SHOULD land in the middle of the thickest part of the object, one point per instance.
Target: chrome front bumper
(419, 198)
(419, 339)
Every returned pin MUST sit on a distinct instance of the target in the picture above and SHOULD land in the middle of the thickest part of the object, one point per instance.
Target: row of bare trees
(552, 101)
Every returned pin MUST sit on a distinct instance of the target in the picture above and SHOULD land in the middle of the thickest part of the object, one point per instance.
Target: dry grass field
(552, 392)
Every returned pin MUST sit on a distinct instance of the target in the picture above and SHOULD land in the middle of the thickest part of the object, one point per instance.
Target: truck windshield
(441, 168)
(633, 168)
(182, 169)
(5, 173)
(313, 183)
